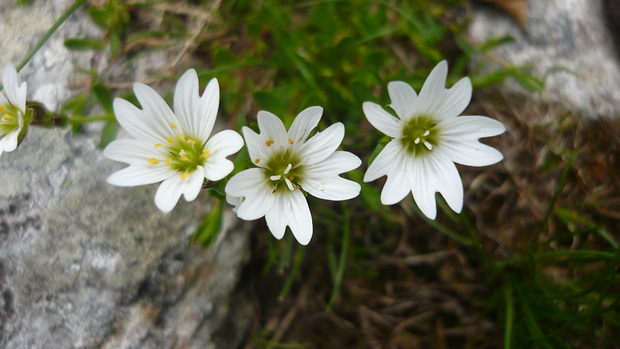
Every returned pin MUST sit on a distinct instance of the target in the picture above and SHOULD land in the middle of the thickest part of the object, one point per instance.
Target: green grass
(555, 285)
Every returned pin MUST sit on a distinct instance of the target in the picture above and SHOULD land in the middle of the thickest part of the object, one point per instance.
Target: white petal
(447, 180)
(276, 218)
(156, 113)
(133, 151)
(322, 144)
(470, 128)
(421, 181)
(15, 93)
(134, 122)
(396, 187)
(3, 100)
(193, 184)
(454, 100)
(304, 123)
(169, 192)
(140, 175)
(300, 219)
(403, 98)
(332, 188)
(196, 114)
(236, 201)
(224, 143)
(259, 152)
(386, 161)
(338, 162)
(433, 89)
(218, 168)
(471, 153)
(382, 120)
(253, 185)
(221, 145)
(9, 142)
(272, 129)
(246, 182)
(257, 205)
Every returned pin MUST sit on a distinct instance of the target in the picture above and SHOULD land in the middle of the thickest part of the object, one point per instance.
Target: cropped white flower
(289, 165)
(172, 147)
(12, 109)
(428, 136)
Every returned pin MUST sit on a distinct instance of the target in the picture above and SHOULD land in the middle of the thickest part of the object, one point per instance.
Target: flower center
(185, 154)
(420, 135)
(284, 171)
(9, 119)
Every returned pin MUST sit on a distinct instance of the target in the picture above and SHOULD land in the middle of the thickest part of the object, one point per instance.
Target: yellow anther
(1, 108)
(184, 157)
(206, 153)
(181, 137)
(173, 125)
(170, 139)
(191, 141)
(184, 175)
(158, 145)
(256, 161)
(154, 161)
(269, 143)
(290, 141)
(291, 177)
(168, 161)
(6, 116)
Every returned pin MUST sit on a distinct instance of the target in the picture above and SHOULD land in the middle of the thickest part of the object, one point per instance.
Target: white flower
(290, 165)
(427, 137)
(172, 147)
(12, 109)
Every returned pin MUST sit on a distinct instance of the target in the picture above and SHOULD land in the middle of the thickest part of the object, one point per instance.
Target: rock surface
(84, 264)
(566, 43)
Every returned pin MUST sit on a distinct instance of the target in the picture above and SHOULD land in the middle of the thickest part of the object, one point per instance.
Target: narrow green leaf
(109, 133)
(84, 44)
(104, 96)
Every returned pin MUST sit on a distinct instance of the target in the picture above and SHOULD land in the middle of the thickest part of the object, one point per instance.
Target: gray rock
(567, 43)
(84, 264)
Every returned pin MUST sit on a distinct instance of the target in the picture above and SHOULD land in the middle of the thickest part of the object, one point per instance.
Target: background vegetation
(531, 262)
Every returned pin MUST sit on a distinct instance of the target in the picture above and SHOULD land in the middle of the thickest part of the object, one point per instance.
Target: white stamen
(426, 133)
(289, 184)
(288, 168)
(275, 178)
(417, 140)
(428, 145)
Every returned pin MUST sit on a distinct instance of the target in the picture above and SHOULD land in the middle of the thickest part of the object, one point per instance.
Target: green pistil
(284, 171)
(420, 136)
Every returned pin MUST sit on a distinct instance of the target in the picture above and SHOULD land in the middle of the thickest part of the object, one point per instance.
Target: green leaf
(84, 44)
(104, 96)
(492, 43)
(207, 232)
(108, 134)
(528, 81)
(115, 44)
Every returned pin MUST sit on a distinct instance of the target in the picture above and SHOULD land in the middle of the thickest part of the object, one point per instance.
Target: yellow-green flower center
(284, 171)
(419, 135)
(184, 154)
(9, 119)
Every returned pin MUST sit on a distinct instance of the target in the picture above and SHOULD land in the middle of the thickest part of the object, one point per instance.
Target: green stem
(346, 230)
(299, 257)
(76, 120)
(509, 315)
(49, 33)
(442, 229)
